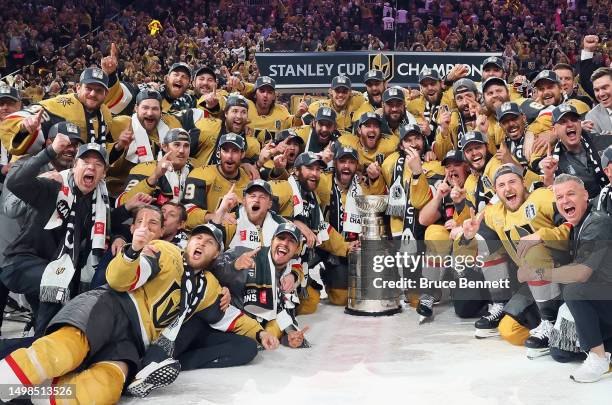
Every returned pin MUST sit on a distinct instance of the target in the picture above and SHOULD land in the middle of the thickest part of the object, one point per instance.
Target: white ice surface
(386, 360)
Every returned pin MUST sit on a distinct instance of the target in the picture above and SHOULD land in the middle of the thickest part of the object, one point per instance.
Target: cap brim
(98, 153)
(294, 236)
(208, 71)
(183, 68)
(241, 147)
(340, 156)
(94, 81)
(564, 114)
(265, 85)
(502, 116)
(246, 190)
(437, 79)
(494, 64)
(346, 86)
(204, 229)
(472, 141)
(9, 96)
(535, 82)
(454, 159)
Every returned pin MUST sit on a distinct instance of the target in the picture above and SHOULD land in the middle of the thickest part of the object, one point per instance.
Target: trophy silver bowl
(371, 204)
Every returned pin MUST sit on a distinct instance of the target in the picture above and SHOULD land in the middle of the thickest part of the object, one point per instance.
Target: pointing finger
(113, 50)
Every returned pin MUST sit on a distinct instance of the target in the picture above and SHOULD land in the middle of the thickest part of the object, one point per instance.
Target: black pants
(200, 346)
(4, 293)
(471, 302)
(592, 312)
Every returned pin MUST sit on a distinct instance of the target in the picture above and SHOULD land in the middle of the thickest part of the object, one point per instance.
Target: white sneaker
(154, 375)
(592, 369)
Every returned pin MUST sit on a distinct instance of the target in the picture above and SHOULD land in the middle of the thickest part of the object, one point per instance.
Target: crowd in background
(47, 50)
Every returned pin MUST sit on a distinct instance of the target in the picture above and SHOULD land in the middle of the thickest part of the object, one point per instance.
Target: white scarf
(177, 182)
(54, 286)
(247, 234)
(139, 150)
(298, 209)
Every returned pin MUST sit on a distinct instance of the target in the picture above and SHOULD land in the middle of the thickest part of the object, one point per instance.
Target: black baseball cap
(325, 114)
(9, 92)
(287, 134)
(463, 85)
(562, 110)
(494, 60)
(148, 94)
(454, 155)
(393, 93)
(180, 66)
(236, 100)
(176, 134)
(205, 70)
(69, 129)
(493, 80)
(508, 168)
(374, 74)
(308, 159)
(508, 108)
(94, 75)
(234, 139)
(341, 81)
(96, 148)
(367, 116)
(346, 151)
(606, 156)
(408, 129)
(258, 183)
(265, 81)
(213, 231)
(473, 136)
(548, 75)
(429, 74)
(290, 228)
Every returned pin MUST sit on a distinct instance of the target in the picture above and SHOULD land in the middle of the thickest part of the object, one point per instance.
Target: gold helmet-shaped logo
(384, 63)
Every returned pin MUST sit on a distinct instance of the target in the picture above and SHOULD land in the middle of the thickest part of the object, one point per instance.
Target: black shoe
(425, 307)
(537, 342)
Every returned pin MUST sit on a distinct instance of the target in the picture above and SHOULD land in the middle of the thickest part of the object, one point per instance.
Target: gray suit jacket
(599, 115)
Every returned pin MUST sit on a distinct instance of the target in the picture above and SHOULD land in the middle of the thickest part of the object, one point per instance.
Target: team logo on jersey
(384, 62)
(530, 211)
(65, 101)
(167, 307)
(486, 181)
(277, 124)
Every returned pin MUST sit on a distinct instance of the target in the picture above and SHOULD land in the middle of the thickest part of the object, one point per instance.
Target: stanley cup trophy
(368, 294)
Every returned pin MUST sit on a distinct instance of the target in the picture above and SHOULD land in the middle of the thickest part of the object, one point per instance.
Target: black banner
(317, 69)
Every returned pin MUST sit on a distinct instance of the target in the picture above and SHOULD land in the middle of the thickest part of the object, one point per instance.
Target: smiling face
(475, 153)
(202, 249)
(513, 126)
(340, 96)
(603, 90)
(88, 171)
(369, 134)
(257, 203)
(91, 95)
(148, 113)
(236, 119)
(309, 176)
(495, 96)
(204, 84)
(569, 131)
(549, 92)
(177, 83)
(511, 191)
(283, 249)
(346, 167)
(65, 160)
(492, 70)
(432, 90)
(572, 201)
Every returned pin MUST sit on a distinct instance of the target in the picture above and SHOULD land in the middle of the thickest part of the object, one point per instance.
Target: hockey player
(342, 100)
(443, 217)
(376, 85)
(369, 142)
(206, 185)
(277, 158)
(96, 342)
(408, 179)
(211, 129)
(393, 112)
(164, 179)
(322, 132)
(532, 233)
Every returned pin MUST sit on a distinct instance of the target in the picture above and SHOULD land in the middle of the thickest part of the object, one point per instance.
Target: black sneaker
(486, 326)
(153, 376)
(537, 342)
